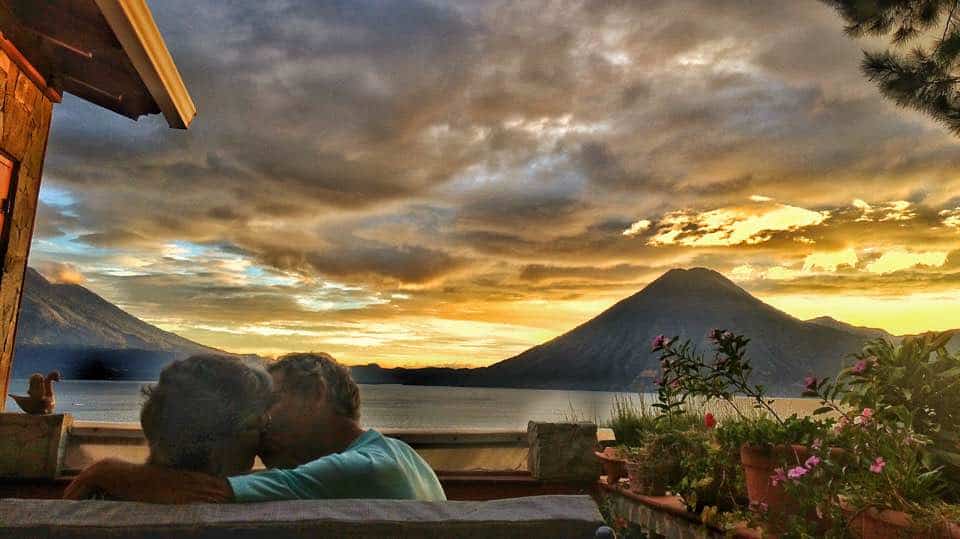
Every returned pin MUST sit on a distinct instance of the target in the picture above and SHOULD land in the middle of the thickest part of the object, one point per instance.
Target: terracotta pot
(872, 523)
(613, 465)
(759, 463)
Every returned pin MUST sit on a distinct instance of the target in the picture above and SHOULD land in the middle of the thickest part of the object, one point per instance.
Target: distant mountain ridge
(612, 350)
(872, 333)
(68, 327)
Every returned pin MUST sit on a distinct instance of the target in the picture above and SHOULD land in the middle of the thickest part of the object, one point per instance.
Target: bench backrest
(535, 516)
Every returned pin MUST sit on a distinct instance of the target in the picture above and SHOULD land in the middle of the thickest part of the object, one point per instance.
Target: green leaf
(941, 339)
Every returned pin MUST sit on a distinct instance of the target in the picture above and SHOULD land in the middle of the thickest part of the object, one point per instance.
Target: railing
(447, 450)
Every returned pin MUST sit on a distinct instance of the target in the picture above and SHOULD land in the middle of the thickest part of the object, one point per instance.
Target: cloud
(637, 227)
(620, 272)
(743, 272)
(951, 218)
(733, 226)
(61, 273)
(897, 210)
(778, 273)
(830, 261)
(481, 156)
(901, 259)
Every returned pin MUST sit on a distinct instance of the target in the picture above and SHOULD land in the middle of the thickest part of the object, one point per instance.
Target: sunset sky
(426, 182)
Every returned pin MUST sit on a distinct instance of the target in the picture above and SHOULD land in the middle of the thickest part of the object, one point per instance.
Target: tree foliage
(920, 70)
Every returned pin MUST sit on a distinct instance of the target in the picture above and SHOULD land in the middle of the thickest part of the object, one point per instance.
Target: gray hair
(306, 373)
(201, 403)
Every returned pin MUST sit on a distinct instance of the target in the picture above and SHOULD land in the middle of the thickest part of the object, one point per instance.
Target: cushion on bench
(535, 516)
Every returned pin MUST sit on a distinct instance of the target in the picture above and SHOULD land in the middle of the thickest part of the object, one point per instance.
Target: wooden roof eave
(135, 29)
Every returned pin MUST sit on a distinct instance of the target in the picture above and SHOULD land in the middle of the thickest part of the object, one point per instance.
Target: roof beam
(133, 25)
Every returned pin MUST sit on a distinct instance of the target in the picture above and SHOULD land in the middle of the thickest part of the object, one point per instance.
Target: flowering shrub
(888, 418)
(887, 434)
(725, 375)
(712, 478)
(914, 388)
(687, 374)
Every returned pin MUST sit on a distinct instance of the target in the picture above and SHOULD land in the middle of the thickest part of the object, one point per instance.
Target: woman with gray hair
(205, 414)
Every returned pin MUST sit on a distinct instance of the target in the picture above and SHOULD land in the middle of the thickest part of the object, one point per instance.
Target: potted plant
(712, 479)
(887, 491)
(767, 441)
(655, 466)
(900, 424)
(632, 425)
(647, 472)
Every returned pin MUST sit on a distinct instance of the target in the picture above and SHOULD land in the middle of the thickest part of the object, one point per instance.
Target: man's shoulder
(374, 441)
(383, 452)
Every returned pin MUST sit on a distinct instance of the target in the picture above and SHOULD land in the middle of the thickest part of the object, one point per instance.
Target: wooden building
(108, 52)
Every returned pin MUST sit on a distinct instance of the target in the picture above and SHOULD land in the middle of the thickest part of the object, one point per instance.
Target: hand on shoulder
(95, 478)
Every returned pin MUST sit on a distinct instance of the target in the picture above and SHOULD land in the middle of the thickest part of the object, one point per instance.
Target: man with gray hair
(313, 444)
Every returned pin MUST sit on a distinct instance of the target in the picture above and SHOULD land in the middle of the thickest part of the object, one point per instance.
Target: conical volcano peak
(612, 350)
(693, 281)
(697, 274)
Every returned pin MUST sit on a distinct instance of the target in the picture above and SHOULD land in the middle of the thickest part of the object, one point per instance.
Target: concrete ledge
(521, 518)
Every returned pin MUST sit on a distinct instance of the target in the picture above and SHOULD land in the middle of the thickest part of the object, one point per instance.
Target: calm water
(383, 405)
(397, 406)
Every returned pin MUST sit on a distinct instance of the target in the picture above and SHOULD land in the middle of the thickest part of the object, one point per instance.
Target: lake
(382, 405)
(393, 406)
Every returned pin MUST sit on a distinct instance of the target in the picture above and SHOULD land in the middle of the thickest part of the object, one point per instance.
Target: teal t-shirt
(373, 466)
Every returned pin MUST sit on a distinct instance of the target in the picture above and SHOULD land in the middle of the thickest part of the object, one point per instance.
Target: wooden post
(25, 111)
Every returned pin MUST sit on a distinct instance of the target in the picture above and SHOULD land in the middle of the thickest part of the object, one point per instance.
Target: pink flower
(778, 477)
(860, 367)
(864, 417)
(797, 472)
(841, 424)
(810, 383)
(812, 462)
(716, 334)
(675, 383)
(659, 342)
(878, 465)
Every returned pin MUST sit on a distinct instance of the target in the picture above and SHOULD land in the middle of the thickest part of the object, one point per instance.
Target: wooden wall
(24, 125)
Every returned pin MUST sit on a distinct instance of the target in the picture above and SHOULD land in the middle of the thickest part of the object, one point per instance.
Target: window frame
(7, 203)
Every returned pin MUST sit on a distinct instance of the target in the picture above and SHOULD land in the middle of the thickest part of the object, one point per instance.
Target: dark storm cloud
(620, 272)
(362, 260)
(52, 221)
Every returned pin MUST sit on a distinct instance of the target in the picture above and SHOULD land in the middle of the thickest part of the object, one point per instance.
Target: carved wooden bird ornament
(39, 399)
